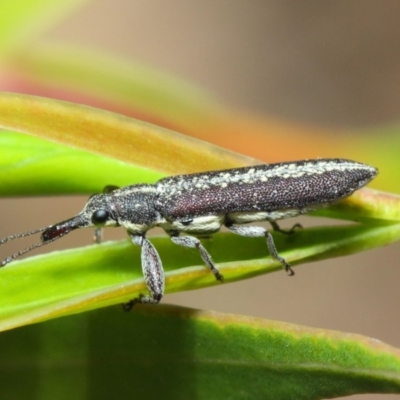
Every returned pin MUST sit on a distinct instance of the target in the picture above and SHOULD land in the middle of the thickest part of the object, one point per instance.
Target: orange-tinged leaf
(113, 135)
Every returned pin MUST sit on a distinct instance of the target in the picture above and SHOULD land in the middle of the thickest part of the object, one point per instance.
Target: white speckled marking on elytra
(251, 175)
(133, 189)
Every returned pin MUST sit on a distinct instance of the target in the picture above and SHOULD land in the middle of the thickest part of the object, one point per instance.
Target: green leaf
(77, 280)
(177, 353)
(33, 166)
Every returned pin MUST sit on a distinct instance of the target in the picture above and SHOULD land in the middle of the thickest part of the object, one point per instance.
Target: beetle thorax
(134, 207)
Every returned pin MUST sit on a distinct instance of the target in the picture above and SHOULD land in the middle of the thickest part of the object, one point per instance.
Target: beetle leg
(258, 231)
(98, 235)
(192, 242)
(152, 271)
(277, 228)
(98, 232)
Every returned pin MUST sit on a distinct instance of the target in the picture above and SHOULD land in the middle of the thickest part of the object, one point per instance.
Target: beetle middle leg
(258, 231)
(193, 242)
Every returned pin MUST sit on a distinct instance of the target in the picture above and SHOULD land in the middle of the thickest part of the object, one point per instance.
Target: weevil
(190, 206)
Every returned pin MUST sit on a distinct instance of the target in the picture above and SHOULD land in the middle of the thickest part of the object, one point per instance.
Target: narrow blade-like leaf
(113, 135)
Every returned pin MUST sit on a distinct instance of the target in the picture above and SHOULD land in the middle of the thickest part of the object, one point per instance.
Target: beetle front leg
(98, 235)
(258, 231)
(98, 232)
(192, 242)
(153, 273)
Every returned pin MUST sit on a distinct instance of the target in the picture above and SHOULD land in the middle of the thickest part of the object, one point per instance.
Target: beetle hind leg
(258, 231)
(277, 228)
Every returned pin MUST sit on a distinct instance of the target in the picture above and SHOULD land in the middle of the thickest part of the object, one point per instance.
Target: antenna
(49, 234)
(21, 252)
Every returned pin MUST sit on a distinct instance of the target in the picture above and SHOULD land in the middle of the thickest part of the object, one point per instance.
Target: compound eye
(100, 217)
